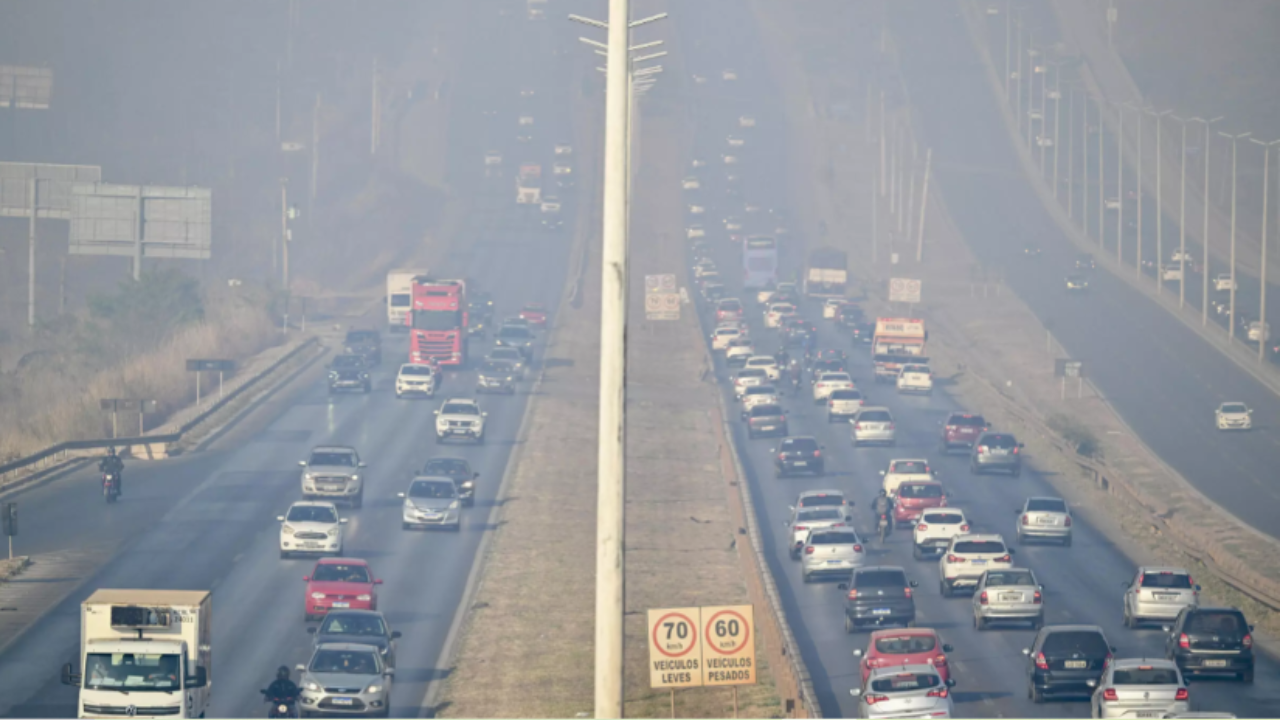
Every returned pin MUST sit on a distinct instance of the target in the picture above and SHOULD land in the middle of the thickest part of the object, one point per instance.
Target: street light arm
(589, 21)
(646, 21)
(650, 56)
(645, 46)
(593, 43)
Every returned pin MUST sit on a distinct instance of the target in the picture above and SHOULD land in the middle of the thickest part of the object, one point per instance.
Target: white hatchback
(311, 527)
(721, 338)
(967, 557)
(766, 363)
(831, 306)
(829, 382)
(778, 312)
(759, 395)
(915, 379)
(843, 403)
(1233, 416)
(935, 529)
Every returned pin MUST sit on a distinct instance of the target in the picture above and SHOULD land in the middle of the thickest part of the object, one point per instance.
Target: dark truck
(365, 343)
(827, 273)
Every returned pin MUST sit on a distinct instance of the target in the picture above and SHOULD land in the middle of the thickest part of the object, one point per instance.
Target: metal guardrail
(59, 451)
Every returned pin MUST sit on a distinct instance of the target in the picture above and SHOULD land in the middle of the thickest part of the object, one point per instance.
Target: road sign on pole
(25, 88)
(141, 221)
(904, 290)
(729, 647)
(675, 650)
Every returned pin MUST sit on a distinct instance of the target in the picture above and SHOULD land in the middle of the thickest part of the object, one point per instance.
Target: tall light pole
(1120, 187)
(1032, 54)
(1102, 205)
(1018, 86)
(1071, 153)
(1138, 177)
(1231, 311)
(1182, 217)
(1159, 116)
(1008, 26)
(1204, 295)
(1084, 171)
(1264, 331)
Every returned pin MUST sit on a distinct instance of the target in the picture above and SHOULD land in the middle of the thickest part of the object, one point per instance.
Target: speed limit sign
(675, 648)
(729, 646)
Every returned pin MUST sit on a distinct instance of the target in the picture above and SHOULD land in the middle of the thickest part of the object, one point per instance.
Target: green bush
(141, 314)
(1077, 434)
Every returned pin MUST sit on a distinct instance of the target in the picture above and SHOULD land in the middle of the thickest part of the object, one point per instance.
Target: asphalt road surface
(1082, 583)
(208, 520)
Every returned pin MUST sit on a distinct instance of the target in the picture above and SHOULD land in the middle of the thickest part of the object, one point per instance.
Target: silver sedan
(1139, 688)
(905, 691)
(1008, 595)
(872, 425)
(1044, 518)
(345, 679)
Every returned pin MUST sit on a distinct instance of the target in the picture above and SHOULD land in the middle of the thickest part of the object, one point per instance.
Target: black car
(1077, 283)
(862, 333)
(798, 455)
(459, 470)
(1211, 641)
(765, 420)
(366, 627)
(515, 336)
(1031, 251)
(1066, 660)
(878, 596)
(1085, 262)
(365, 343)
(348, 372)
(497, 376)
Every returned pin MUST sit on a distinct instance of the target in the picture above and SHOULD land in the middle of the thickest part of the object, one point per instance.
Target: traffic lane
(1162, 378)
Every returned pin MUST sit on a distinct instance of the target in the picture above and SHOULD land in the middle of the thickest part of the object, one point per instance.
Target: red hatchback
(907, 646)
(535, 314)
(916, 496)
(962, 429)
(339, 584)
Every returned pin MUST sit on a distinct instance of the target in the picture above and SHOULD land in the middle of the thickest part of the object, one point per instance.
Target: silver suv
(996, 451)
(1158, 593)
(345, 679)
(333, 473)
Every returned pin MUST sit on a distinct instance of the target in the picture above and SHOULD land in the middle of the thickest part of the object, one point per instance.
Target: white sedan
(1234, 416)
(777, 313)
(691, 183)
(829, 382)
(721, 338)
(746, 121)
(767, 363)
(759, 395)
(311, 527)
(1224, 282)
(693, 232)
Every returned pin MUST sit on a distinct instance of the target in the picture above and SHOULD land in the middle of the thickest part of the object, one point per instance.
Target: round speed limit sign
(729, 657)
(727, 632)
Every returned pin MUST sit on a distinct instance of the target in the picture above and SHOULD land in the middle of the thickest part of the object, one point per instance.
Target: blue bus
(759, 262)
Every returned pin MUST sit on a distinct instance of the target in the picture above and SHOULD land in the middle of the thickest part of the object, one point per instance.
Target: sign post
(710, 646)
(118, 405)
(1064, 369)
(219, 366)
(661, 297)
(9, 517)
(904, 290)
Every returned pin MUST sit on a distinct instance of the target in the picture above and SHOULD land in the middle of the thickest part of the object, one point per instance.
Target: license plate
(1075, 664)
(1215, 663)
(1046, 521)
(768, 427)
(1146, 714)
(979, 562)
(342, 701)
(311, 544)
(1011, 597)
(342, 604)
(833, 562)
(999, 451)
(880, 611)
(1166, 596)
(800, 463)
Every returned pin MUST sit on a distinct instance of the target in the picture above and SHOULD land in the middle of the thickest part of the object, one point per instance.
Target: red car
(906, 646)
(339, 584)
(962, 429)
(916, 496)
(728, 309)
(535, 314)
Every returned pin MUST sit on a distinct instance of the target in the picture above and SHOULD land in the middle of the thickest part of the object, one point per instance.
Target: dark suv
(1211, 641)
(878, 596)
(765, 420)
(961, 429)
(365, 343)
(996, 451)
(797, 455)
(1066, 660)
(347, 372)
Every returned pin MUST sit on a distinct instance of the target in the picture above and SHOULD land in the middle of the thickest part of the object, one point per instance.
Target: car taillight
(1068, 521)
(1041, 663)
(1026, 519)
(1184, 642)
(906, 592)
(801, 527)
(939, 692)
(981, 449)
(831, 403)
(1015, 451)
(890, 426)
(1004, 558)
(857, 426)
(1037, 598)
(784, 418)
(808, 550)
(1192, 583)
(964, 528)
(781, 456)
(922, 527)
(873, 699)
(857, 548)
(1182, 695)
(1247, 641)
(982, 599)
(817, 453)
(954, 559)
(853, 594)
(1109, 695)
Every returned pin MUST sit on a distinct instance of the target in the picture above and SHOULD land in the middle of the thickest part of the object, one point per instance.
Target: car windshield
(760, 390)
(1217, 623)
(819, 514)
(495, 368)
(1003, 579)
(835, 377)
(919, 490)
(1166, 579)
(766, 361)
(978, 546)
(1234, 409)
(416, 370)
(514, 332)
(132, 671)
(835, 537)
(348, 362)
(361, 337)
(916, 369)
(332, 459)
(909, 467)
(459, 409)
(349, 662)
(799, 445)
(1145, 675)
(1046, 505)
(875, 416)
(1000, 441)
(821, 501)
(1088, 643)
(730, 305)
(312, 513)
(341, 572)
(906, 644)
(751, 372)
(766, 411)
(505, 354)
(846, 394)
(449, 467)
(967, 421)
(905, 682)
(881, 578)
(432, 489)
(943, 518)
(728, 331)
(353, 624)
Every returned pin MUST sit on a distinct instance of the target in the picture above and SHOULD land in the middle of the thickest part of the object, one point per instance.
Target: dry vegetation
(133, 343)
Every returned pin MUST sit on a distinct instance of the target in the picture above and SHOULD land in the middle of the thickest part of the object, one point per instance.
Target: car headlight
(355, 477)
(312, 686)
(468, 485)
(333, 374)
(373, 689)
(453, 505)
(287, 530)
(364, 598)
(308, 477)
(364, 376)
(333, 532)
(317, 596)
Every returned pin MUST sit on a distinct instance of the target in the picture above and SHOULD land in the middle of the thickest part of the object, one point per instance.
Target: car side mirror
(279, 518)
(1026, 651)
(389, 672)
(848, 518)
(1113, 649)
(822, 447)
(435, 412)
(1012, 551)
(785, 523)
(951, 682)
(882, 472)
(773, 450)
(1091, 683)
(360, 465)
(1167, 628)
(475, 475)
(399, 494)
(1197, 588)
(913, 583)
(343, 521)
(947, 648)
(842, 586)
(396, 635)
(306, 578)
(302, 463)
(484, 414)
(1250, 628)
(311, 630)
(792, 508)
(857, 652)
(377, 582)
(1021, 445)
(856, 692)
(300, 668)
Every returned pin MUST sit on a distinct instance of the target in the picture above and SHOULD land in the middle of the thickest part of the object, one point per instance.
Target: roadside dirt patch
(11, 568)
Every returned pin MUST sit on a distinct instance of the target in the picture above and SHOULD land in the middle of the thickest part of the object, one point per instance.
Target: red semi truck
(438, 322)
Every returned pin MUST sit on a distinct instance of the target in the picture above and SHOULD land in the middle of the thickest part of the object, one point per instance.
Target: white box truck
(143, 654)
(400, 297)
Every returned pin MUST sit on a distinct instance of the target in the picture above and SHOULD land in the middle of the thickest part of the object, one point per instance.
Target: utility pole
(375, 115)
(1102, 204)
(1231, 312)
(1264, 336)
(1084, 169)
(1138, 177)
(1204, 295)
(1071, 155)
(284, 232)
(1182, 218)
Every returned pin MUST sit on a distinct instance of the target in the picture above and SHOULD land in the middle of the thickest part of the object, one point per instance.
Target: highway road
(1082, 583)
(208, 520)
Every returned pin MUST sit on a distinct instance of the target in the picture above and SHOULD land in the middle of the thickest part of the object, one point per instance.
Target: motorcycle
(282, 707)
(467, 492)
(884, 527)
(110, 487)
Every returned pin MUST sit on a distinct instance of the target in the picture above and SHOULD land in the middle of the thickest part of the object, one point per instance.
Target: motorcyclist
(883, 505)
(112, 464)
(282, 690)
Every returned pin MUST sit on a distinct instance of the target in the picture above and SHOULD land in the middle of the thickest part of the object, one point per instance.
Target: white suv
(967, 557)
(829, 382)
(935, 529)
(311, 527)
(766, 363)
(416, 380)
(460, 418)
(915, 379)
